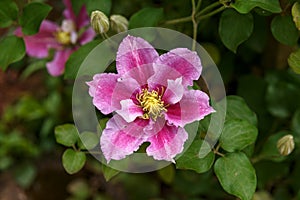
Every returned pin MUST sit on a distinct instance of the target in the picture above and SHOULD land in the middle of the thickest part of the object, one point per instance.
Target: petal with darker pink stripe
(120, 138)
(193, 106)
(101, 88)
(184, 61)
(134, 52)
(167, 143)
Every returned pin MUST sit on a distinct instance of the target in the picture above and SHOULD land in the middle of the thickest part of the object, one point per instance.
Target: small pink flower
(151, 99)
(65, 39)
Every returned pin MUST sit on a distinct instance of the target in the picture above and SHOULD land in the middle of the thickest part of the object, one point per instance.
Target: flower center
(151, 103)
(63, 37)
(66, 34)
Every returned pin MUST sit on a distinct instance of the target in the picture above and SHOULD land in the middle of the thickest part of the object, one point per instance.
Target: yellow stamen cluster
(151, 103)
(63, 37)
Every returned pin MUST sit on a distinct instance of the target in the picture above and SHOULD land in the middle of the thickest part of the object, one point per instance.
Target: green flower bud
(296, 14)
(286, 145)
(99, 22)
(119, 23)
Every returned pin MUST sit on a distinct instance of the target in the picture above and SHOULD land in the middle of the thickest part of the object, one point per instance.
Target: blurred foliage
(255, 45)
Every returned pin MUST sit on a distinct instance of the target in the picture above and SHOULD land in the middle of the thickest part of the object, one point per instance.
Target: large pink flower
(151, 99)
(65, 39)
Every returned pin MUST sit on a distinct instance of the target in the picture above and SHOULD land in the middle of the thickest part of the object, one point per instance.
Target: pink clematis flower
(64, 39)
(151, 99)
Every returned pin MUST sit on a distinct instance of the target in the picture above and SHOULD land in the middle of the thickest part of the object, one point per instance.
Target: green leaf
(167, 174)
(235, 28)
(102, 124)
(296, 122)
(5, 162)
(250, 92)
(73, 161)
(281, 95)
(284, 30)
(238, 109)
(8, 13)
(237, 134)
(236, 175)
(32, 17)
(76, 59)
(102, 5)
(88, 140)
(25, 175)
(266, 176)
(91, 5)
(33, 67)
(108, 172)
(249, 150)
(29, 108)
(193, 157)
(147, 17)
(12, 49)
(294, 61)
(245, 6)
(66, 134)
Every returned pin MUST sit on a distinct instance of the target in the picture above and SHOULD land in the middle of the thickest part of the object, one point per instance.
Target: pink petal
(57, 66)
(126, 88)
(162, 74)
(154, 127)
(130, 111)
(193, 106)
(141, 74)
(68, 12)
(39, 44)
(120, 138)
(101, 88)
(83, 18)
(167, 143)
(108, 90)
(87, 36)
(186, 62)
(174, 91)
(134, 52)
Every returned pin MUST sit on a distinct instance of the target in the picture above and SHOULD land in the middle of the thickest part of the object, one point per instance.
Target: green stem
(74, 147)
(208, 8)
(220, 154)
(104, 36)
(113, 44)
(216, 150)
(211, 13)
(179, 20)
(195, 25)
(198, 5)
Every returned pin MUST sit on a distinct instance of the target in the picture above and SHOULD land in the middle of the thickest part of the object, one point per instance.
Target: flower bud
(296, 14)
(119, 23)
(286, 145)
(99, 22)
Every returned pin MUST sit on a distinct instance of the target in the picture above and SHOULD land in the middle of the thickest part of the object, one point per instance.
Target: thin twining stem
(208, 8)
(195, 25)
(198, 16)
(211, 13)
(198, 5)
(179, 20)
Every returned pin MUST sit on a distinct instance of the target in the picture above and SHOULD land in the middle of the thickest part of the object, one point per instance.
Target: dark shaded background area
(30, 108)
